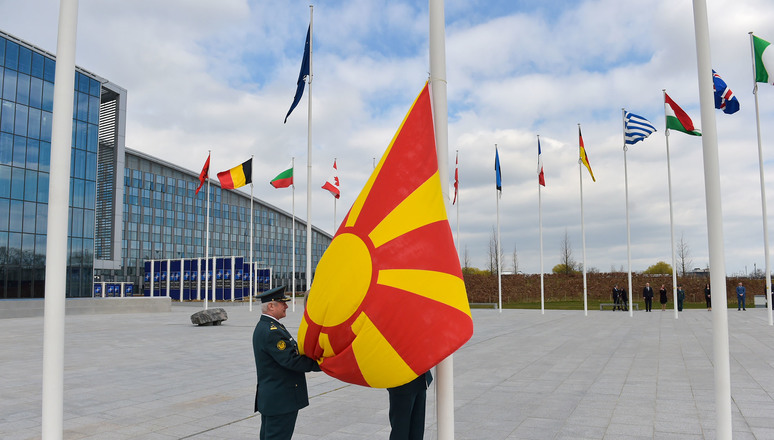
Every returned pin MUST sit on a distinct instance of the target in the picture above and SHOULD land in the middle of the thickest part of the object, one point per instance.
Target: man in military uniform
(281, 389)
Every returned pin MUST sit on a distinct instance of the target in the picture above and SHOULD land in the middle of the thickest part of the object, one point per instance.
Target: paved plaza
(523, 375)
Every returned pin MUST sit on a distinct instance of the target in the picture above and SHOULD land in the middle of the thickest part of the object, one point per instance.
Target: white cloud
(221, 76)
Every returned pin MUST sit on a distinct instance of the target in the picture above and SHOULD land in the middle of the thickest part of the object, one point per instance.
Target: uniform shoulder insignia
(281, 345)
(273, 327)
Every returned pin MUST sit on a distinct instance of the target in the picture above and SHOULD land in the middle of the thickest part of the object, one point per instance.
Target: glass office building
(125, 206)
(163, 219)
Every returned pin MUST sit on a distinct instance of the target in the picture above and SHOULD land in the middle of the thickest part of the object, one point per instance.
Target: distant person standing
(616, 298)
(624, 300)
(680, 297)
(662, 297)
(708, 296)
(741, 294)
(647, 294)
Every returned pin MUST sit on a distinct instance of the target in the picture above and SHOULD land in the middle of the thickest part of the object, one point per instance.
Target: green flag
(764, 60)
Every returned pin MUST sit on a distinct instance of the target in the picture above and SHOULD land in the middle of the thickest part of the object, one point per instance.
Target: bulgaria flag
(238, 176)
(332, 184)
(677, 119)
(283, 179)
(764, 60)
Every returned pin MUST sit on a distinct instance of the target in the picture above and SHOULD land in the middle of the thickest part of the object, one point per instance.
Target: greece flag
(636, 128)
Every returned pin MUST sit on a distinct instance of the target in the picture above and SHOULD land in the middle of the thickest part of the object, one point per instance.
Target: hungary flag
(677, 119)
(283, 179)
(764, 60)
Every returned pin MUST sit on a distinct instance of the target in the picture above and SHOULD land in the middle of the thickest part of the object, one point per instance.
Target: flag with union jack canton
(724, 97)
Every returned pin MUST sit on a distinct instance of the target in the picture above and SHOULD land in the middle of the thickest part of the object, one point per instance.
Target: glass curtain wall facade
(125, 206)
(27, 86)
(163, 218)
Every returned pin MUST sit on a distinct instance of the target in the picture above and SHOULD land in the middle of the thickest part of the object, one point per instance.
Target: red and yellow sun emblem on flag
(388, 300)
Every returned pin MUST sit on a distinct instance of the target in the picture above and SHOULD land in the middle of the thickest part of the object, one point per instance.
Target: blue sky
(221, 75)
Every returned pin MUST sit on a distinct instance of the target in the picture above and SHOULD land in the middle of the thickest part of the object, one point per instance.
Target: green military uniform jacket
(281, 381)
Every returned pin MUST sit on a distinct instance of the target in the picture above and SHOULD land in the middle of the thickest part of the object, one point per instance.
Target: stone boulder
(209, 317)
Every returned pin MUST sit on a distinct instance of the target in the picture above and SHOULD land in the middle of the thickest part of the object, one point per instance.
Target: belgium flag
(238, 176)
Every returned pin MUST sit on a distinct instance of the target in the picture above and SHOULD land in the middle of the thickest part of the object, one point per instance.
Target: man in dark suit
(281, 389)
(647, 293)
(616, 298)
(407, 408)
(624, 299)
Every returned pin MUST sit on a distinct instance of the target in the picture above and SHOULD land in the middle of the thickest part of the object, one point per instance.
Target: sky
(220, 76)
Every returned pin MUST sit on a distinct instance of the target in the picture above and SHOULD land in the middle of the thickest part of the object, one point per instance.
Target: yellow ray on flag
(411, 213)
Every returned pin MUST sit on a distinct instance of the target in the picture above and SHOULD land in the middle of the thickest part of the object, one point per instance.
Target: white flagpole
(207, 242)
(293, 231)
(763, 190)
(628, 230)
(497, 258)
(334, 201)
(309, 162)
(540, 221)
(444, 387)
(58, 201)
(498, 194)
(583, 238)
(714, 224)
(457, 194)
(671, 215)
(251, 236)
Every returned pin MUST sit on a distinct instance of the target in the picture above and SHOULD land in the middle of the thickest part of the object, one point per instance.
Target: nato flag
(301, 75)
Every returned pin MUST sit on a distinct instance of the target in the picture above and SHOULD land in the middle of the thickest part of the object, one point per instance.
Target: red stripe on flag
(226, 179)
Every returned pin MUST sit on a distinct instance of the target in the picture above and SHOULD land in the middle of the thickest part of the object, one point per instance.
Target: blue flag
(636, 128)
(301, 75)
(498, 178)
(724, 97)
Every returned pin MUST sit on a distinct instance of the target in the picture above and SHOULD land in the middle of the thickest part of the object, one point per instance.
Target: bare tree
(515, 260)
(684, 260)
(495, 260)
(465, 259)
(565, 249)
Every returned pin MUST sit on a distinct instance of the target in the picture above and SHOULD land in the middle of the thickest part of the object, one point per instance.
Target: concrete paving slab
(523, 375)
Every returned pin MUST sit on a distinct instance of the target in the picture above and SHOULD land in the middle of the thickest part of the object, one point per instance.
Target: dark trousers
(279, 427)
(679, 305)
(407, 415)
(740, 301)
(648, 304)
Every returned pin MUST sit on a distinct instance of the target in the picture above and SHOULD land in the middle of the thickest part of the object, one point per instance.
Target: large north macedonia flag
(388, 300)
